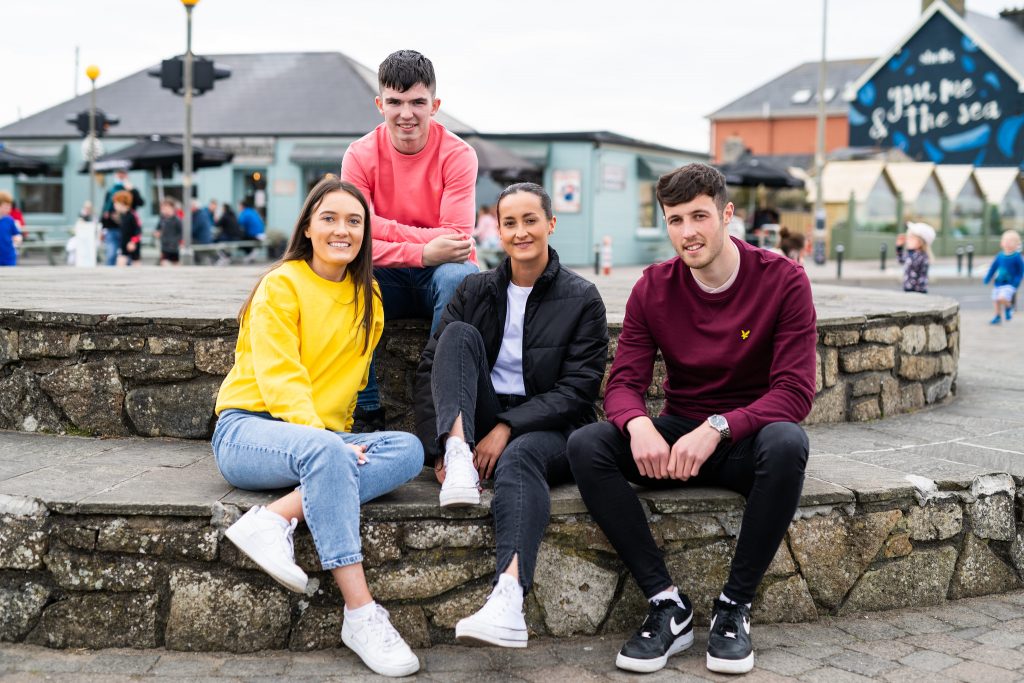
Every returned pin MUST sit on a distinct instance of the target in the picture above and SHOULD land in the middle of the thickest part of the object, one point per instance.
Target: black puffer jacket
(565, 346)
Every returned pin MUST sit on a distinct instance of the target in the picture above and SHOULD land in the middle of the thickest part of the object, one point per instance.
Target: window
(849, 92)
(928, 207)
(41, 193)
(311, 175)
(648, 217)
(801, 96)
(171, 190)
(966, 214)
(1011, 211)
(877, 213)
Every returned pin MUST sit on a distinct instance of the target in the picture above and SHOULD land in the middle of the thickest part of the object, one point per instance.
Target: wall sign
(568, 185)
(941, 99)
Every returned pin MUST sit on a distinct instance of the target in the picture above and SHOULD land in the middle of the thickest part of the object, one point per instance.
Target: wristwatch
(721, 425)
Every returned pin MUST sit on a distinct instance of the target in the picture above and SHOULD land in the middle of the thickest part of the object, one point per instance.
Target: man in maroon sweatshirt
(736, 327)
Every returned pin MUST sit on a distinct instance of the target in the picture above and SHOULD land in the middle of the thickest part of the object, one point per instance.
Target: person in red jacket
(736, 327)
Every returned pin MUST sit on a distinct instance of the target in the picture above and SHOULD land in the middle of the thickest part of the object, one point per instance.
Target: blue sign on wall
(942, 99)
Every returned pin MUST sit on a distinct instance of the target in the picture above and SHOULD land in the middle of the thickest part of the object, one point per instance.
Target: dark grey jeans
(460, 382)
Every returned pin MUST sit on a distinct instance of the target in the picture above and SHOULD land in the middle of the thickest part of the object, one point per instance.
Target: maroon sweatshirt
(746, 353)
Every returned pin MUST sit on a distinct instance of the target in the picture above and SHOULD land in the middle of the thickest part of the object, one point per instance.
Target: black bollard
(883, 250)
(597, 259)
(959, 260)
(970, 259)
(839, 261)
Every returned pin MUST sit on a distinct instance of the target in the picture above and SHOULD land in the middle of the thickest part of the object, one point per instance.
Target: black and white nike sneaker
(729, 648)
(667, 630)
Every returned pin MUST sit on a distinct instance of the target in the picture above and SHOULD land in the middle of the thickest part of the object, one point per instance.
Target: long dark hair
(300, 248)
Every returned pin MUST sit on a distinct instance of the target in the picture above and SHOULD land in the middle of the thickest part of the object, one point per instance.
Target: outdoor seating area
(867, 202)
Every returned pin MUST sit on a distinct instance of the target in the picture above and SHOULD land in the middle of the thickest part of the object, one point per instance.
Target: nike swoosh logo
(746, 626)
(678, 628)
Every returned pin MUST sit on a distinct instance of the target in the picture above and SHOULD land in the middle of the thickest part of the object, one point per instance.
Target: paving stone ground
(979, 639)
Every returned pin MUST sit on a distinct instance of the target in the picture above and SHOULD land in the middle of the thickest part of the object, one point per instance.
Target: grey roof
(597, 136)
(1002, 35)
(775, 98)
(284, 93)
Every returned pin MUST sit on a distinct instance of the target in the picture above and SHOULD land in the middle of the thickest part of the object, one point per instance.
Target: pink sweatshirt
(414, 197)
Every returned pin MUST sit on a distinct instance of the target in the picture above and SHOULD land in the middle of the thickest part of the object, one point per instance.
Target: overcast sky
(652, 69)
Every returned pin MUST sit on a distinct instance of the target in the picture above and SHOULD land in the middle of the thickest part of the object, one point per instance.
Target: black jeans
(767, 468)
(460, 382)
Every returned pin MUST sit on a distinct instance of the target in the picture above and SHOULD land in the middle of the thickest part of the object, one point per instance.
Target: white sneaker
(267, 539)
(379, 645)
(461, 485)
(500, 621)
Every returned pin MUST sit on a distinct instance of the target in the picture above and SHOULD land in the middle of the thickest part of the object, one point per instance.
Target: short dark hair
(690, 181)
(532, 188)
(404, 69)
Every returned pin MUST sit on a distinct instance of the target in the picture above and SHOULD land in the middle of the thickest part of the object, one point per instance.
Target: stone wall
(110, 376)
(116, 580)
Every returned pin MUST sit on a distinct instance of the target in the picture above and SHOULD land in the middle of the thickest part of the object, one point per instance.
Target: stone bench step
(118, 543)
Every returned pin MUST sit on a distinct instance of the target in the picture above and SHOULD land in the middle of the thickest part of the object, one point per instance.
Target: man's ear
(379, 103)
(435, 106)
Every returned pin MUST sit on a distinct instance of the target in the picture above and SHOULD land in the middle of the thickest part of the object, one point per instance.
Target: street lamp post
(93, 72)
(186, 184)
(819, 151)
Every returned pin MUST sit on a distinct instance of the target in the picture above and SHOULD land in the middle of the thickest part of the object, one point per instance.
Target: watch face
(718, 422)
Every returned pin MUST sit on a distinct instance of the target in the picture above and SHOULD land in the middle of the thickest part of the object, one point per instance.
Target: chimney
(958, 6)
(1014, 15)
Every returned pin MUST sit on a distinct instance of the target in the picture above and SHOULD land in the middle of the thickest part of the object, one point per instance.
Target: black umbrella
(160, 155)
(752, 172)
(14, 164)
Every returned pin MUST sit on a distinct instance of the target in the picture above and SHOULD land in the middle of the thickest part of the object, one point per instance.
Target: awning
(54, 154)
(309, 154)
(652, 168)
(840, 179)
(995, 182)
(910, 178)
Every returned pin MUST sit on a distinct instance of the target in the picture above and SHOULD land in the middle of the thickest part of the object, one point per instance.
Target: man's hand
(692, 450)
(452, 248)
(649, 448)
(490, 448)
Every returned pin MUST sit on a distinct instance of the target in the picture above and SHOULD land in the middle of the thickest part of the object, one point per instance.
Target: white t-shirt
(507, 374)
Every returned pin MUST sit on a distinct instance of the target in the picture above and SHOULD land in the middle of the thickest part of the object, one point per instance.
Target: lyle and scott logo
(744, 334)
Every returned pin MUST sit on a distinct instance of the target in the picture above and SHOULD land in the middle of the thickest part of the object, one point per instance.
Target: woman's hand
(490, 448)
(360, 451)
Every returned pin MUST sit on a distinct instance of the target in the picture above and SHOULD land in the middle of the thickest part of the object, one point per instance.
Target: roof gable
(968, 29)
(840, 179)
(909, 178)
(954, 177)
(995, 183)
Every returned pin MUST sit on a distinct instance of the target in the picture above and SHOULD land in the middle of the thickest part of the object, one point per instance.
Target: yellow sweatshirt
(300, 354)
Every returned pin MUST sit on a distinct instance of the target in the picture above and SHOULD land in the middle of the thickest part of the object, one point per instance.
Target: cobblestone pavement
(975, 640)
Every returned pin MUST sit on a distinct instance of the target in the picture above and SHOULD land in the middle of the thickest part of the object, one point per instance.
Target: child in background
(168, 232)
(10, 236)
(914, 250)
(129, 230)
(1005, 273)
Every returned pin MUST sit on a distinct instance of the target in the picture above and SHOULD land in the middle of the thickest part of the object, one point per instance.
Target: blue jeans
(413, 293)
(255, 451)
(111, 245)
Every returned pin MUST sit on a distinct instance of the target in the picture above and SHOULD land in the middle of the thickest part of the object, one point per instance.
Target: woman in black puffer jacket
(514, 366)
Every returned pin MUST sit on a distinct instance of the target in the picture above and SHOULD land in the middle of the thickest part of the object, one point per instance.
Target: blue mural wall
(942, 99)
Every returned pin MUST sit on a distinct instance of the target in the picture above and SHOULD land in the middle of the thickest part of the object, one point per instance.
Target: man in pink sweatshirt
(420, 181)
(736, 327)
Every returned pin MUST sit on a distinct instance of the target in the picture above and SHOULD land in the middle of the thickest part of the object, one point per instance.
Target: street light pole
(93, 72)
(186, 247)
(819, 151)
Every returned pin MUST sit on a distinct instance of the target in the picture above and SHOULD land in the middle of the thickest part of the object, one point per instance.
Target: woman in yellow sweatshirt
(306, 335)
